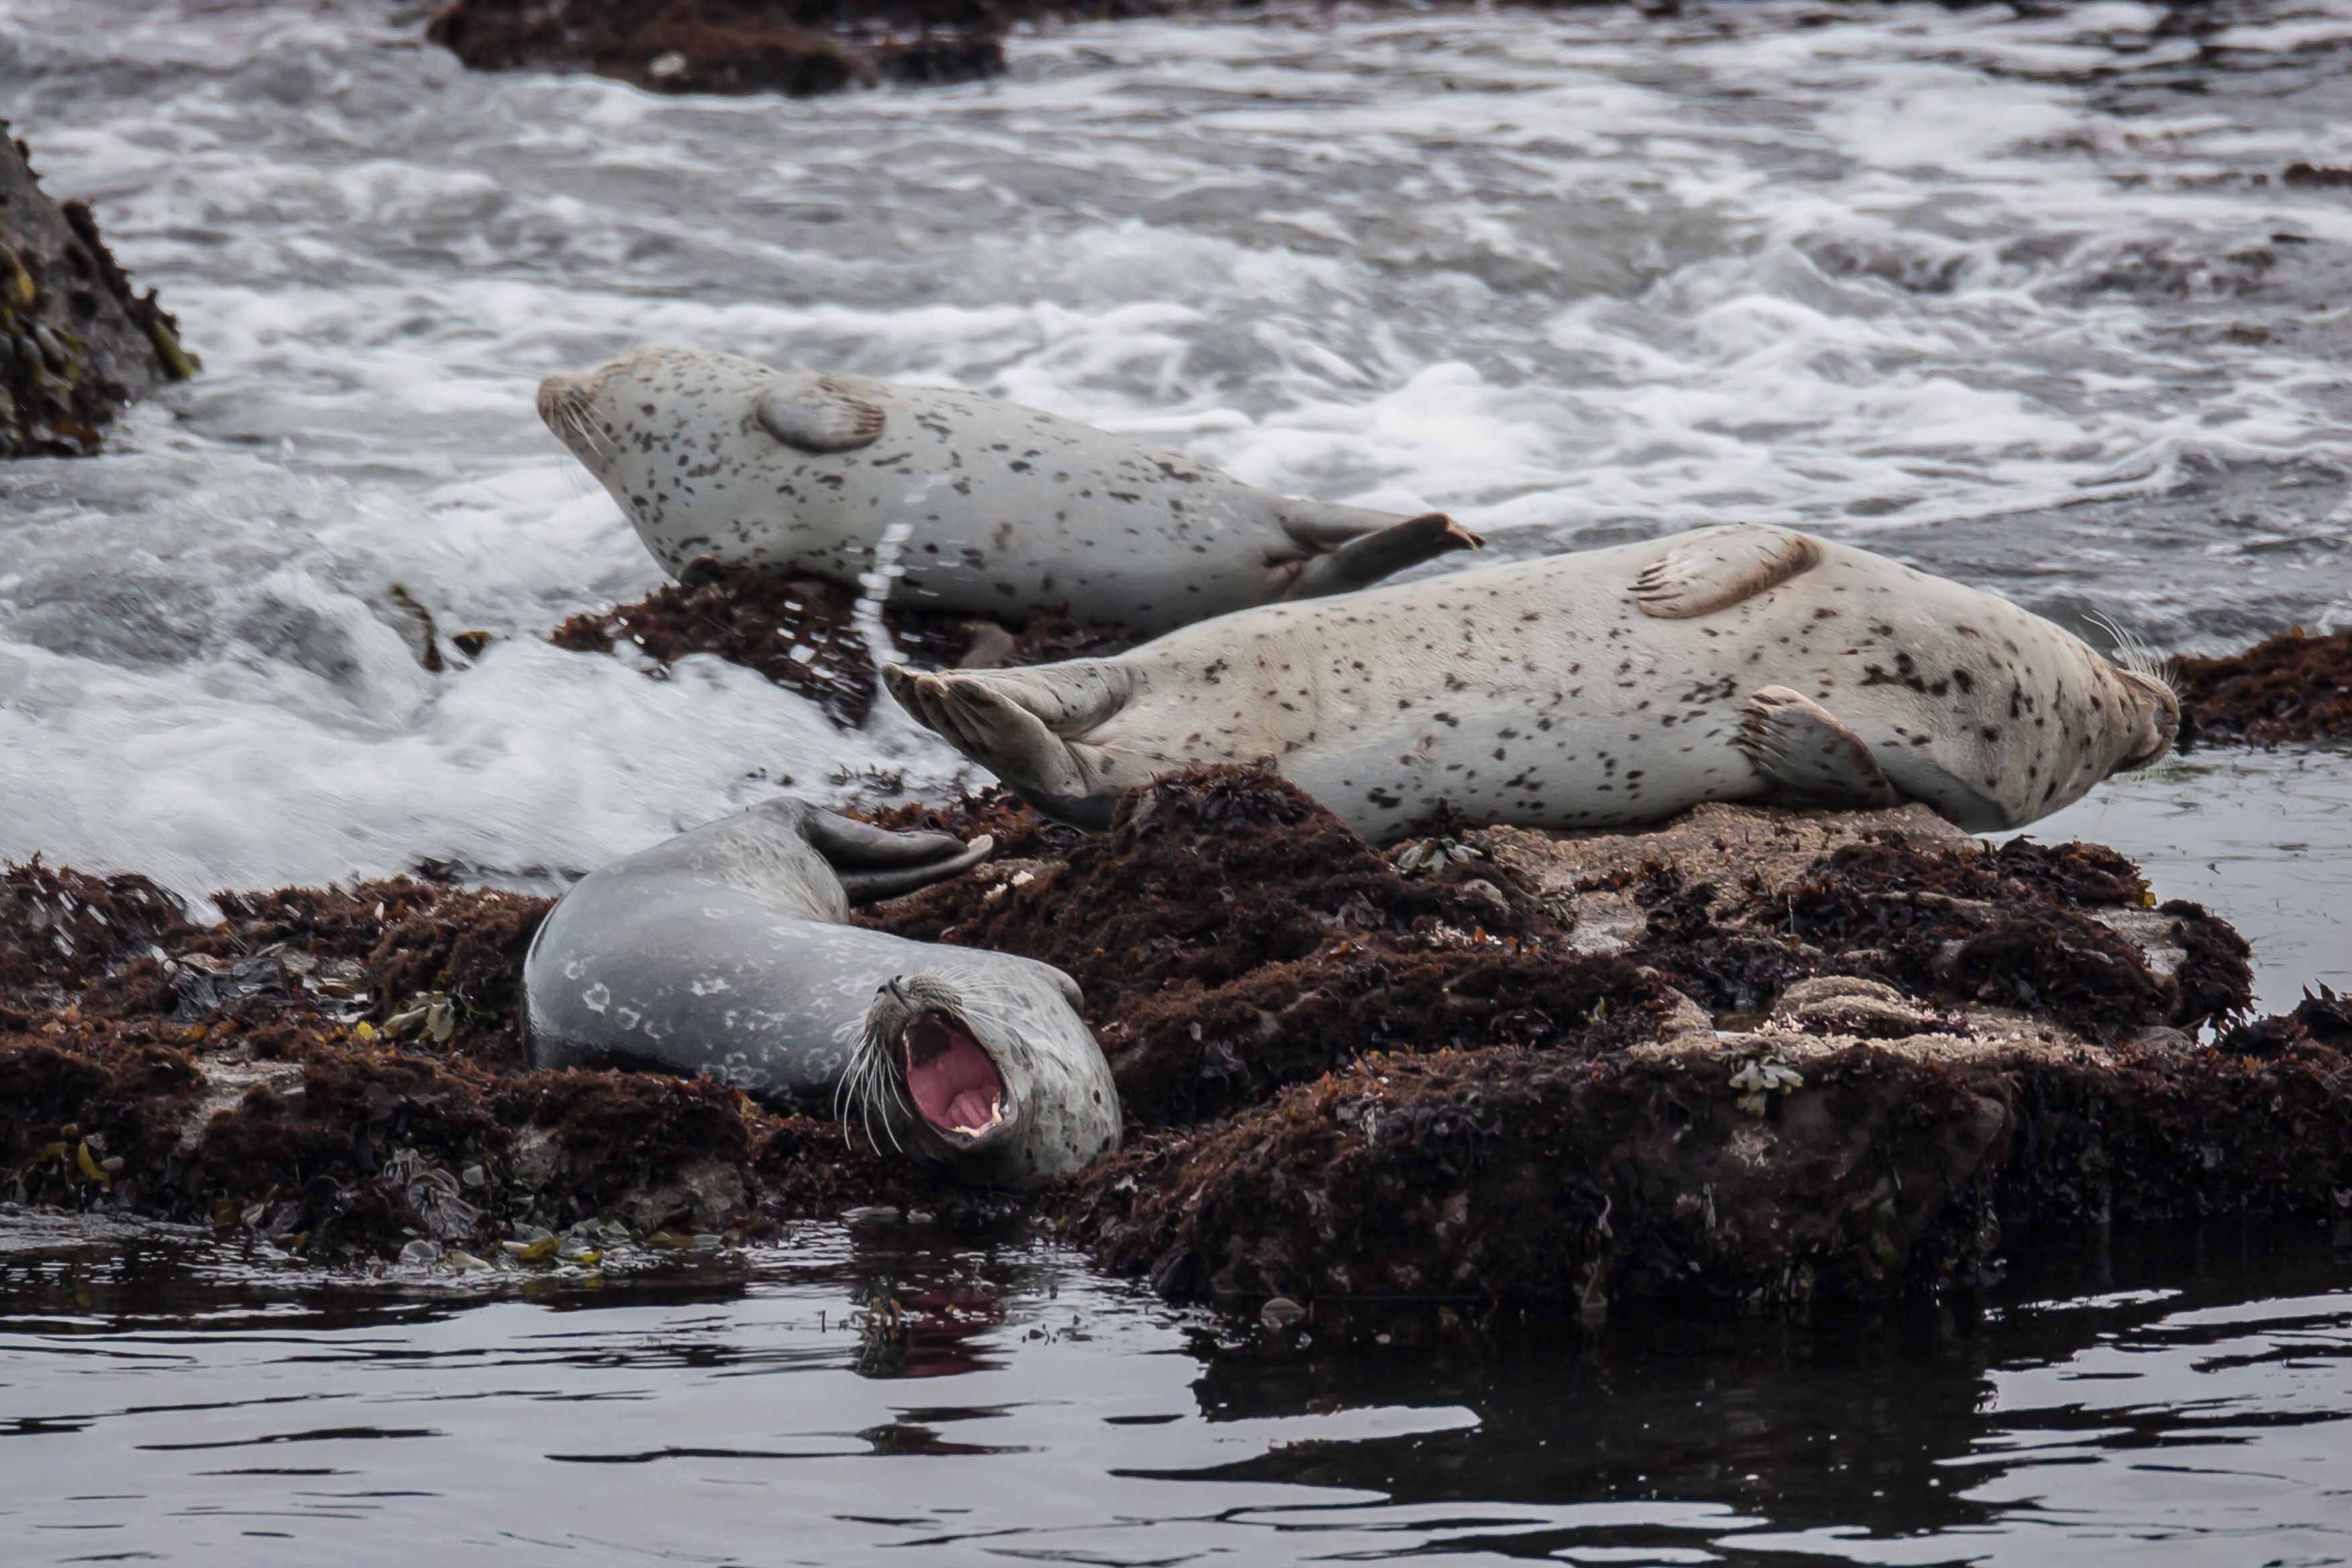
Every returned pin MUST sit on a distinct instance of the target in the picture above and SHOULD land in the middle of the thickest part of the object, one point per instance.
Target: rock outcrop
(76, 341)
(1749, 1056)
(802, 48)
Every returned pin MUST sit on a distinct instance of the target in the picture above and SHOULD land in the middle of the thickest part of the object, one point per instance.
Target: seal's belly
(1540, 695)
(1528, 759)
(976, 539)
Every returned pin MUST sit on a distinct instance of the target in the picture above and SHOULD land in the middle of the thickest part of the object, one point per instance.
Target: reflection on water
(2182, 1398)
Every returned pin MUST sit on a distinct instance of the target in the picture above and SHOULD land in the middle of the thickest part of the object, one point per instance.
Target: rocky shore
(77, 342)
(1751, 1056)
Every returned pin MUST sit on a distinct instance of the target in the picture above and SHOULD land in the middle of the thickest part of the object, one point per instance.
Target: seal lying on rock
(723, 953)
(1011, 511)
(1607, 688)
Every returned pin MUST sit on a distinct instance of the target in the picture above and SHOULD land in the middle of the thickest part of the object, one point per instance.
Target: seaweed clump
(1232, 936)
(59, 929)
(2290, 690)
(2021, 926)
(801, 634)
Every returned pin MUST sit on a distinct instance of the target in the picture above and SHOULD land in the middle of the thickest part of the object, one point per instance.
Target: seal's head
(2147, 710)
(2151, 717)
(629, 419)
(990, 1071)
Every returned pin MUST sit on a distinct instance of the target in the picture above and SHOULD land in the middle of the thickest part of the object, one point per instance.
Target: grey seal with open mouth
(724, 952)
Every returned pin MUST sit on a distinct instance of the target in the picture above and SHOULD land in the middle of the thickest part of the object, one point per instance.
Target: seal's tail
(1021, 725)
(1349, 549)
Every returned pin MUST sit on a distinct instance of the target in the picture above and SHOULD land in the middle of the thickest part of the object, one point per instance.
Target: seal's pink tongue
(953, 1083)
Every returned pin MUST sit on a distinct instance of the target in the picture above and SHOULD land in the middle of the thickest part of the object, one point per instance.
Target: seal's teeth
(995, 1120)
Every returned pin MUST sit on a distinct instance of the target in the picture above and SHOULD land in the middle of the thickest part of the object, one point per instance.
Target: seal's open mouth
(952, 1078)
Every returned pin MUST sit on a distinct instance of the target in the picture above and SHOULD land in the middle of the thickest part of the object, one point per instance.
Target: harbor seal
(1601, 690)
(1009, 511)
(723, 953)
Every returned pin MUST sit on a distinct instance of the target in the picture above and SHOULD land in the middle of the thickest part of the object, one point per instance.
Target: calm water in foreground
(2185, 1400)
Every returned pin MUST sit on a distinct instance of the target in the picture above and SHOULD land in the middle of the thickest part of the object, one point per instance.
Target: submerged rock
(1750, 1056)
(76, 341)
(732, 46)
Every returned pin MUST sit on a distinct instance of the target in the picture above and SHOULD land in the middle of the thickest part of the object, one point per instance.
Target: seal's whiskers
(2131, 652)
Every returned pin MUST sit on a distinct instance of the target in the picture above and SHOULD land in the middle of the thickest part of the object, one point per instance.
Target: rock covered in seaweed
(1232, 936)
(2292, 688)
(76, 341)
(1751, 1055)
(1888, 1045)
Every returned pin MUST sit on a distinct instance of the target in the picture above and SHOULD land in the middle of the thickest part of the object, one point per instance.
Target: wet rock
(730, 46)
(1749, 1056)
(1522, 1175)
(2294, 688)
(1887, 1168)
(76, 341)
(802, 634)
(2316, 177)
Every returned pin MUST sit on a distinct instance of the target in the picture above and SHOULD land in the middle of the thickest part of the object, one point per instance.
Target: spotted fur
(1009, 510)
(723, 953)
(1603, 689)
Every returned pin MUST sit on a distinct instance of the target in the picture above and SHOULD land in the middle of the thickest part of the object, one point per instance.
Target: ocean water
(2183, 1400)
(2019, 298)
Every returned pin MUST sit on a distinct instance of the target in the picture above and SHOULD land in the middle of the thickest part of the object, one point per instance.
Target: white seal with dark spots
(1602, 690)
(723, 953)
(1009, 511)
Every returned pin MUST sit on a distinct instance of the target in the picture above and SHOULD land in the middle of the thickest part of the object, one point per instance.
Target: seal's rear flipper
(877, 863)
(1812, 761)
(1017, 723)
(1716, 569)
(818, 414)
(1366, 558)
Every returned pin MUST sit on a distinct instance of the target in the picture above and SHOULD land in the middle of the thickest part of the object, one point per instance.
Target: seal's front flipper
(818, 414)
(1369, 557)
(1716, 569)
(1811, 761)
(1017, 723)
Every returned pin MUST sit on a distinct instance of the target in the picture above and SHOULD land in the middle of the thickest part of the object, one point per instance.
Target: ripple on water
(2185, 1393)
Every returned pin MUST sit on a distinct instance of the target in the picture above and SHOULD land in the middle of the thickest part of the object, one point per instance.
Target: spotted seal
(1601, 690)
(1008, 510)
(723, 953)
